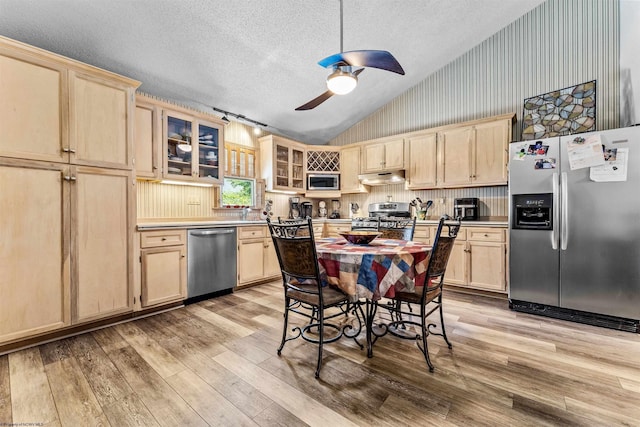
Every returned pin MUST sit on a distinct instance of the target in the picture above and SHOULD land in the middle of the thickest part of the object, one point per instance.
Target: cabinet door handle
(68, 150)
(70, 178)
(163, 239)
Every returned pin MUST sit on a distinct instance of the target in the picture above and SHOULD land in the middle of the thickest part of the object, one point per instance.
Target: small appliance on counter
(322, 209)
(306, 210)
(294, 207)
(466, 209)
(335, 209)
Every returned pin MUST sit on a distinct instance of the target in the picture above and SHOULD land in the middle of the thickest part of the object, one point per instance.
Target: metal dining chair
(397, 228)
(365, 223)
(303, 290)
(428, 295)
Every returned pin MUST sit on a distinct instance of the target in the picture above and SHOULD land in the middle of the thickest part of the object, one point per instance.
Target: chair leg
(287, 301)
(444, 331)
(425, 333)
(321, 340)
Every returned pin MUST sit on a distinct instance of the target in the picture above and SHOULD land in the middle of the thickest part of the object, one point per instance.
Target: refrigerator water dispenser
(533, 211)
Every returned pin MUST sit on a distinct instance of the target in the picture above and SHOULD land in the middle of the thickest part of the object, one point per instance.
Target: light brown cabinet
(383, 156)
(257, 259)
(240, 161)
(478, 259)
(192, 147)
(67, 180)
(103, 200)
(421, 172)
(147, 131)
(101, 133)
(474, 155)
(36, 265)
(349, 171)
(282, 164)
(334, 230)
(33, 106)
(163, 267)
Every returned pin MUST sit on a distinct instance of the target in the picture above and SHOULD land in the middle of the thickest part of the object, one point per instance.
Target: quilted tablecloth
(372, 271)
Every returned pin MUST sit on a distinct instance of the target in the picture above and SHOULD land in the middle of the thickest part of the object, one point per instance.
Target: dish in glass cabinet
(360, 237)
(174, 170)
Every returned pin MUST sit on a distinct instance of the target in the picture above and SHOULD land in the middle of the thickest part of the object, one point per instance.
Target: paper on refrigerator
(614, 169)
(585, 152)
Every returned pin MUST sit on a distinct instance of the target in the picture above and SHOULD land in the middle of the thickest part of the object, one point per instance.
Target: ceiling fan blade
(364, 58)
(315, 101)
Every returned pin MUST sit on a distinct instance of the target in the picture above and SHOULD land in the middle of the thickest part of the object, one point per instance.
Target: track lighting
(241, 117)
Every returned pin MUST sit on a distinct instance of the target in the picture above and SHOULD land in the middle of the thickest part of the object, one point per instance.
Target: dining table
(372, 271)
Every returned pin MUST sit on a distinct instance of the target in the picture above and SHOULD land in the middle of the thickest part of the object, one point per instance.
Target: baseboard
(594, 319)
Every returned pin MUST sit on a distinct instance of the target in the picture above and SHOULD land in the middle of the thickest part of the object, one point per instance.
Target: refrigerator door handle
(564, 226)
(556, 219)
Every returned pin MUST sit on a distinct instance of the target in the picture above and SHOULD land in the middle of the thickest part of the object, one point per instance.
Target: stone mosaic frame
(561, 112)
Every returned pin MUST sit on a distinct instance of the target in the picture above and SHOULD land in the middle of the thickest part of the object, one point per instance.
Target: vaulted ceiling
(259, 58)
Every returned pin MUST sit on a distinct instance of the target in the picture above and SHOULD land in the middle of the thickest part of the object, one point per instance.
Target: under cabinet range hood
(382, 178)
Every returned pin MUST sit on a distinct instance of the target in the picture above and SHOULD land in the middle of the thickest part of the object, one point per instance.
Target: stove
(366, 223)
(394, 209)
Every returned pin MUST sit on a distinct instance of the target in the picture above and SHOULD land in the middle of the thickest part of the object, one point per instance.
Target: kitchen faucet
(245, 212)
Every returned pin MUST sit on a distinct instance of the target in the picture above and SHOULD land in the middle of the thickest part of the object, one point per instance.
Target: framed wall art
(561, 112)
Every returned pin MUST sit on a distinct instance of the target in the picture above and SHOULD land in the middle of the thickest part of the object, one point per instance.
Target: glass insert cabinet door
(192, 148)
(208, 152)
(179, 148)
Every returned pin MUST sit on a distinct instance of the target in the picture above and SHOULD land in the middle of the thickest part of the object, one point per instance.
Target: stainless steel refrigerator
(574, 229)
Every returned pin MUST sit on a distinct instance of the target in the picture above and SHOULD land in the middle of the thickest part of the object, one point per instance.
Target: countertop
(165, 223)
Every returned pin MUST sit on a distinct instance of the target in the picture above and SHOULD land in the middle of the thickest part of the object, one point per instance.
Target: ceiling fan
(342, 77)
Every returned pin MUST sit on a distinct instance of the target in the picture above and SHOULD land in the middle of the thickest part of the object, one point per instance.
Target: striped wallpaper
(560, 43)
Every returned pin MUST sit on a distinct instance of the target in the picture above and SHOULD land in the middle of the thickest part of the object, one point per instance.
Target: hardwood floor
(215, 363)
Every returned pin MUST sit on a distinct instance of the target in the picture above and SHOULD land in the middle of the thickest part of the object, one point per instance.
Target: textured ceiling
(259, 57)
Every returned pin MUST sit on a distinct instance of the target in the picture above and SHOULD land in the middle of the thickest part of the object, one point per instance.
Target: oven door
(323, 182)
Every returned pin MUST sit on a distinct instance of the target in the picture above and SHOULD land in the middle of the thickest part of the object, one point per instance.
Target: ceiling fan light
(341, 82)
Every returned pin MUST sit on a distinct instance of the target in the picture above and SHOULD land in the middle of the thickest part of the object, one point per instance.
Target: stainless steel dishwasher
(211, 261)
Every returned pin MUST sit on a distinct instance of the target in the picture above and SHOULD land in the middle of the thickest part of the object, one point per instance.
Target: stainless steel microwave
(323, 181)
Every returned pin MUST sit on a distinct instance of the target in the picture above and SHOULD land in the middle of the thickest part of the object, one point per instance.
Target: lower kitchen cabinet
(478, 259)
(102, 241)
(257, 259)
(66, 244)
(163, 267)
(334, 230)
(34, 250)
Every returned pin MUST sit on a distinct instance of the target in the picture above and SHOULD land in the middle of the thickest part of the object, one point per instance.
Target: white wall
(629, 62)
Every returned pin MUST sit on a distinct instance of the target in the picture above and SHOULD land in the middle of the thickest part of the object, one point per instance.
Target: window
(238, 192)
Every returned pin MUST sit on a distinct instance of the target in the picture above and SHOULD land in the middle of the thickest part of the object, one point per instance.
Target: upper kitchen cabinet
(383, 156)
(240, 161)
(33, 106)
(101, 133)
(56, 109)
(349, 182)
(147, 131)
(474, 154)
(192, 145)
(421, 171)
(282, 164)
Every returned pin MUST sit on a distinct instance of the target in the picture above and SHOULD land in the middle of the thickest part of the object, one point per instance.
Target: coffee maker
(306, 210)
(294, 207)
(335, 209)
